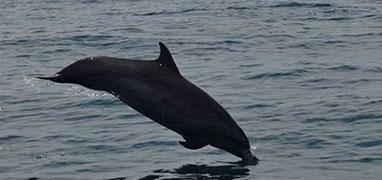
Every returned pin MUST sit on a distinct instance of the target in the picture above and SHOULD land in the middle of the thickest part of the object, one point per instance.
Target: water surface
(302, 78)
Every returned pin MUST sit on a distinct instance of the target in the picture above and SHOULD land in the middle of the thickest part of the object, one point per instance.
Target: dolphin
(157, 90)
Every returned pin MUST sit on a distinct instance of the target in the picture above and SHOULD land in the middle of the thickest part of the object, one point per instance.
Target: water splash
(30, 82)
(77, 90)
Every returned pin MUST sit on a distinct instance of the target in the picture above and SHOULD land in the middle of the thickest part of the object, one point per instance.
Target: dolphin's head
(79, 72)
(55, 78)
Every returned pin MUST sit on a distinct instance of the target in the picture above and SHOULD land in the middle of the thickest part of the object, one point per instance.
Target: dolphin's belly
(180, 106)
(140, 96)
(176, 105)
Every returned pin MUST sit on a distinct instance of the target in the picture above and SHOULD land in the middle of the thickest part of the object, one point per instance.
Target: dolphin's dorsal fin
(165, 59)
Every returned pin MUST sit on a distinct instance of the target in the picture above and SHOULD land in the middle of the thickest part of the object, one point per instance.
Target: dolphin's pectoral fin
(193, 143)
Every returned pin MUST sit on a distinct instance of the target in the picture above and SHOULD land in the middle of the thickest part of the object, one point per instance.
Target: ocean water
(302, 78)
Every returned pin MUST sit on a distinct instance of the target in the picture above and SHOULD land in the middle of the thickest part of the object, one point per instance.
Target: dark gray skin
(158, 90)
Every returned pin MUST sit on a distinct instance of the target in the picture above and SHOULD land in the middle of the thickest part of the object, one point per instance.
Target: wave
(317, 80)
(170, 12)
(344, 68)
(359, 160)
(153, 143)
(361, 117)
(249, 65)
(295, 72)
(89, 37)
(104, 102)
(349, 119)
(10, 137)
(373, 102)
(257, 106)
(375, 70)
(371, 143)
(238, 8)
(297, 4)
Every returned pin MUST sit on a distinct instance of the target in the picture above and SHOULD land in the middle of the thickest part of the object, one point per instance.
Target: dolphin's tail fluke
(250, 159)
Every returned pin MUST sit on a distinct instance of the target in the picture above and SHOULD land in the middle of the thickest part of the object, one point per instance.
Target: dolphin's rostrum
(158, 90)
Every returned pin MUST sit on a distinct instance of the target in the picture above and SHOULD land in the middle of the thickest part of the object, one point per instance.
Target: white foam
(87, 92)
(30, 82)
(253, 148)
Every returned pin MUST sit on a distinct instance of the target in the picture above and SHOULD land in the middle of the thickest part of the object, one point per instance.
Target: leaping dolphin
(158, 90)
